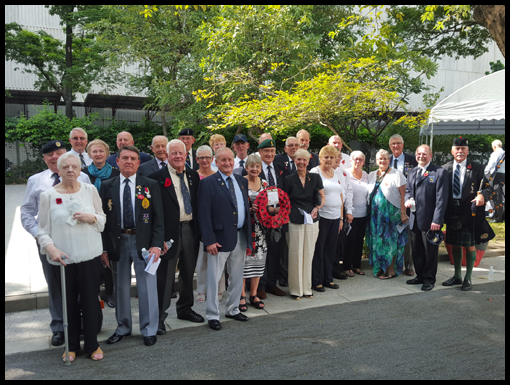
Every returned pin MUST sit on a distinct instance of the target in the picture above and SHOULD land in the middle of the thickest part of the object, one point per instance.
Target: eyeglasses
(396, 144)
(201, 158)
(80, 138)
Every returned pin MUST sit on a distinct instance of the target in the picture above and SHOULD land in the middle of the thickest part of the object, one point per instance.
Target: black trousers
(424, 255)
(325, 251)
(82, 291)
(354, 244)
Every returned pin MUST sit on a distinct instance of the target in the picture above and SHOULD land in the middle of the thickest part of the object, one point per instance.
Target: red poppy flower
(469, 167)
(168, 182)
(59, 201)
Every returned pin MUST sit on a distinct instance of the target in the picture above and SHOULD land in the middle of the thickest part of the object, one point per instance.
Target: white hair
(497, 143)
(175, 141)
(203, 148)
(65, 156)
(78, 129)
(396, 136)
(354, 154)
(382, 152)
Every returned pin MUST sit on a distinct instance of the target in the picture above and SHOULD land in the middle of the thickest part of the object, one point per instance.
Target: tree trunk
(492, 17)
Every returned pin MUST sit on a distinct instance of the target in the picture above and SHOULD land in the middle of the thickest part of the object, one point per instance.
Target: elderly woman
(302, 188)
(204, 159)
(255, 260)
(387, 210)
(354, 242)
(71, 220)
(330, 220)
(98, 171)
(216, 142)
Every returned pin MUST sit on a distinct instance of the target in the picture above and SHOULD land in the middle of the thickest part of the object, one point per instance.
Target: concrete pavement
(29, 331)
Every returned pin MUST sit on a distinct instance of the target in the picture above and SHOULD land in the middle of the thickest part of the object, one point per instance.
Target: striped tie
(456, 182)
(270, 178)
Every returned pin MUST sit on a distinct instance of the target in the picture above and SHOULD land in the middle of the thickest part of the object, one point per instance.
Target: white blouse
(389, 186)
(360, 193)
(79, 241)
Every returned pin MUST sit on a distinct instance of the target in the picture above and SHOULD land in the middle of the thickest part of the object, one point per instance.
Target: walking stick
(64, 311)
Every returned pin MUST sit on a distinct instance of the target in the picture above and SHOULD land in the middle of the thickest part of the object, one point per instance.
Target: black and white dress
(254, 264)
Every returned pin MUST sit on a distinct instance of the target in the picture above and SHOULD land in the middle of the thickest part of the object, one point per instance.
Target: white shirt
(359, 194)
(337, 191)
(81, 241)
(86, 157)
(36, 185)
(389, 186)
(491, 165)
(132, 186)
(191, 159)
(273, 172)
(237, 160)
(176, 181)
(345, 163)
(400, 162)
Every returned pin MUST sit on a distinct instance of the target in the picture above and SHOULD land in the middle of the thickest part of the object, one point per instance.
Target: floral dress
(255, 262)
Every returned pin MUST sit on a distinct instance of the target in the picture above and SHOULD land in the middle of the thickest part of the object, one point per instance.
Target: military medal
(110, 204)
(472, 188)
(145, 203)
(147, 192)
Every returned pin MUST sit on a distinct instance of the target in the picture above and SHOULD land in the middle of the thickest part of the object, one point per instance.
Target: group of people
(209, 211)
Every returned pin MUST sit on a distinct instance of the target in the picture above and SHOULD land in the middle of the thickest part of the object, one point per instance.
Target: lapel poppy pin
(426, 174)
(469, 167)
(168, 182)
(59, 201)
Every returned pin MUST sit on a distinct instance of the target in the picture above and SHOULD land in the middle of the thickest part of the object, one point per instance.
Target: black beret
(460, 142)
(187, 132)
(53, 145)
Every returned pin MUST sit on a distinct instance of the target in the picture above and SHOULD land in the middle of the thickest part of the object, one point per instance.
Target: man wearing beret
(187, 137)
(465, 178)
(37, 184)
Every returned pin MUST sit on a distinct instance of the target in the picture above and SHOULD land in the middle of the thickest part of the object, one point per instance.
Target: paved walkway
(25, 288)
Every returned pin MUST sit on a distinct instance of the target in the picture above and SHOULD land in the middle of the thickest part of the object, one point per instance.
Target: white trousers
(302, 240)
(235, 267)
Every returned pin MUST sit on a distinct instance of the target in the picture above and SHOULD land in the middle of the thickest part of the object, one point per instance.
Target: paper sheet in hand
(401, 226)
(308, 217)
(151, 266)
(272, 197)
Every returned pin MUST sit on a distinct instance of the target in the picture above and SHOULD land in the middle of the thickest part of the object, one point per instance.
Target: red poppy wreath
(268, 220)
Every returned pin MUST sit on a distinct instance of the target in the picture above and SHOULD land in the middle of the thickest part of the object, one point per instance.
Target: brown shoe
(261, 294)
(275, 290)
(409, 272)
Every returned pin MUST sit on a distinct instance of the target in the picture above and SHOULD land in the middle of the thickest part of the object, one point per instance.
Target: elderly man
(158, 147)
(465, 178)
(134, 220)
(241, 147)
(495, 172)
(179, 188)
(79, 139)
(287, 159)
(124, 138)
(37, 184)
(427, 184)
(337, 142)
(224, 217)
(187, 137)
(304, 142)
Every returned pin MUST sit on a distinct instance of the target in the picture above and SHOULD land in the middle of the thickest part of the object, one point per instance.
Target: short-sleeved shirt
(302, 197)
(389, 185)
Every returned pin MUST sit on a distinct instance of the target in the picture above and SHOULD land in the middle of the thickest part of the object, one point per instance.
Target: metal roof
(115, 101)
(32, 97)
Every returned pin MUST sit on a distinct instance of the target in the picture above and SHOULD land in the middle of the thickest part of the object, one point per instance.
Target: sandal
(256, 304)
(243, 306)
(387, 276)
(72, 356)
(359, 272)
(349, 273)
(201, 297)
(97, 355)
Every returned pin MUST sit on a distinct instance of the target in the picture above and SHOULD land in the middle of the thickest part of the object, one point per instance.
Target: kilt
(462, 237)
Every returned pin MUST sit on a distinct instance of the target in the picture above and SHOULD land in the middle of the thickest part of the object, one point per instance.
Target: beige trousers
(302, 240)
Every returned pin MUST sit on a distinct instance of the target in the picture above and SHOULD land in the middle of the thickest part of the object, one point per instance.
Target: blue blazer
(430, 194)
(112, 159)
(216, 212)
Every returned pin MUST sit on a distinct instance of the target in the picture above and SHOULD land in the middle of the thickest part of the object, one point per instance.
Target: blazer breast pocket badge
(432, 178)
(145, 218)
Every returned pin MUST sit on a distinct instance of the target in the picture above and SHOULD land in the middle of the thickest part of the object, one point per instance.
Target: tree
(65, 67)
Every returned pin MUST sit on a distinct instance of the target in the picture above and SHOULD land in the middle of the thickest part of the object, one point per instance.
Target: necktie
(83, 164)
(185, 195)
(127, 207)
(456, 182)
(188, 162)
(57, 180)
(232, 190)
(241, 163)
(395, 164)
(270, 178)
(292, 167)
(162, 164)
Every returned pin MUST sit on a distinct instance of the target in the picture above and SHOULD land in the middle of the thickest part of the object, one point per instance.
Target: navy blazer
(112, 159)
(409, 163)
(430, 193)
(149, 222)
(148, 168)
(217, 214)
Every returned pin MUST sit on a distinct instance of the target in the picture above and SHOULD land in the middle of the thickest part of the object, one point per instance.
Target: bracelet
(95, 220)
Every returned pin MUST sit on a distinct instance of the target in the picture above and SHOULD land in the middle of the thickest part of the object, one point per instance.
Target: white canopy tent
(477, 108)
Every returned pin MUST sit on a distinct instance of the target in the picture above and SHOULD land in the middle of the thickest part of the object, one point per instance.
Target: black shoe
(414, 281)
(427, 286)
(214, 324)
(452, 281)
(331, 285)
(149, 341)
(340, 275)
(116, 338)
(319, 288)
(466, 285)
(161, 328)
(191, 316)
(237, 317)
(57, 339)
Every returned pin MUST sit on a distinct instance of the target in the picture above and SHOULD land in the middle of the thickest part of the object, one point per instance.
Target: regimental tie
(395, 163)
(188, 162)
(292, 167)
(127, 207)
(232, 190)
(185, 195)
(83, 164)
(57, 180)
(270, 178)
(456, 182)
(241, 163)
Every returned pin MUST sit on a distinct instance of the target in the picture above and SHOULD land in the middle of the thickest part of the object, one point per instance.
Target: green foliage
(495, 67)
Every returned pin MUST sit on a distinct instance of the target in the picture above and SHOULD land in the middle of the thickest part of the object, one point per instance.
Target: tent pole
(431, 137)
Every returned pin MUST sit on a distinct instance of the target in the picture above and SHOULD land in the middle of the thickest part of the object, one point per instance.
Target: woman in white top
(354, 242)
(387, 210)
(71, 220)
(330, 222)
